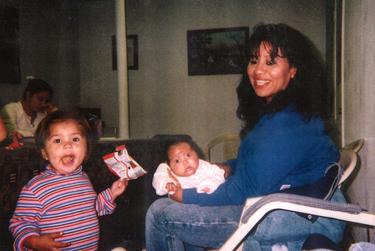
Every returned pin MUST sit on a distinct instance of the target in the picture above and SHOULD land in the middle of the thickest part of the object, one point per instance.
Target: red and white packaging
(123, 165)
(17, 141)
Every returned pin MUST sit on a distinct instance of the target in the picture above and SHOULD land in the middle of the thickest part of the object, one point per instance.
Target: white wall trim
(343, 140)
(123, 96)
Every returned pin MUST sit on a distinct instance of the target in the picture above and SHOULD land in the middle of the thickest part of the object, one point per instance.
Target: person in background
(23, 117)
(183, 167)
(284, 144)
(59, 208)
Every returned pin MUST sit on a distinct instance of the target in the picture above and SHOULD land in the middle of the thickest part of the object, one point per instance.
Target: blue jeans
(176, 226)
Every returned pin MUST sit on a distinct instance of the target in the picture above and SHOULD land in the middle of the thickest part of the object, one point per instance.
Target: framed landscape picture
(217, 51)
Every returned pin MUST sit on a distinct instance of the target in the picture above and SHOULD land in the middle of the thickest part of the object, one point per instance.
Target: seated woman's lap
(199, 226)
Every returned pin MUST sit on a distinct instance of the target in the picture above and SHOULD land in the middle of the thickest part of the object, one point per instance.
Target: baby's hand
(45, 242)
(206, 190)
(172, 176)
(118, 187)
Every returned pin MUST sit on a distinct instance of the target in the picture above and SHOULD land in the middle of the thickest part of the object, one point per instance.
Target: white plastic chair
(355, 145)
(226, 145)
(255, 208)
(348, 161)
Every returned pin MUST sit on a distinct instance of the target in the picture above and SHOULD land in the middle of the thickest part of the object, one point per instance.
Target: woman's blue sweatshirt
(283, 150)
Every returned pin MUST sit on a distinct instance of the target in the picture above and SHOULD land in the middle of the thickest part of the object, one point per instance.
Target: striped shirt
(52, 202)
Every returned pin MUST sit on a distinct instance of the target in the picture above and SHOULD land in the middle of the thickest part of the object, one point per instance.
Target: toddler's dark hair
(44, 128)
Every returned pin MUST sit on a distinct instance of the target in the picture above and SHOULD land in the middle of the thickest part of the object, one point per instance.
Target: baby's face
(183, 160)
(66, 147)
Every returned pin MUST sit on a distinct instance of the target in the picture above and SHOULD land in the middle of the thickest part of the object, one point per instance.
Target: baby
(184, 167)
(58, 208)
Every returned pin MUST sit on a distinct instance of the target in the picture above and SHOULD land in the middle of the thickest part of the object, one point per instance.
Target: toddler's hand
(118, 187)
(45, 242)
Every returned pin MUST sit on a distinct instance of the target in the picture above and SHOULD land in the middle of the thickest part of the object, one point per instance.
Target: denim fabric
(176, 226)
(169, 224)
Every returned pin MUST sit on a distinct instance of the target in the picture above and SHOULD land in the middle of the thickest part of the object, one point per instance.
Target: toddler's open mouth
(67, 159)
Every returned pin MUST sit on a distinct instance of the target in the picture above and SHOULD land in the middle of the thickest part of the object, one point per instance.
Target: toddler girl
(58, 208)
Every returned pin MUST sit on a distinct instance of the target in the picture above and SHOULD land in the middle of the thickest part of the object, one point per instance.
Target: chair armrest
(254, 212)
(302, 204)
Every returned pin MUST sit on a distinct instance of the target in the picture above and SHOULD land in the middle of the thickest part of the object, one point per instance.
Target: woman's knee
(156, 209)
(280, 225)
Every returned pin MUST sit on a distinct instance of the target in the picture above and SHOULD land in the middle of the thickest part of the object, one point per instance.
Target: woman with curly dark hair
(304, 89)
(284, 145)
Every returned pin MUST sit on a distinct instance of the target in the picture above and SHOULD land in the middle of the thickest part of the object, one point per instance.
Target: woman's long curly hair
(304, 90)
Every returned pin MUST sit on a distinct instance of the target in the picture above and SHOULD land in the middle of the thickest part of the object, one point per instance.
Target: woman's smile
(268, 75)
(259, 82)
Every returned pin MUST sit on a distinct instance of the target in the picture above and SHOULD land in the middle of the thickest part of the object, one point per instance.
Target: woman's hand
(170, 187)
(45, 242)
(50, 108)
(177, 195)
(227, 169)
(176, 189)
(118, 187)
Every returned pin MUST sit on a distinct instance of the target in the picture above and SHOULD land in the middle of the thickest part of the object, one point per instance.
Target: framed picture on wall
(9, 46)
(217, 51)
(132, 52)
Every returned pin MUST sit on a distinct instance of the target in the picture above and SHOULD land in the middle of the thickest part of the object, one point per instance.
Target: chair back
(223, 147)
(348, 161)
(356, 145)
